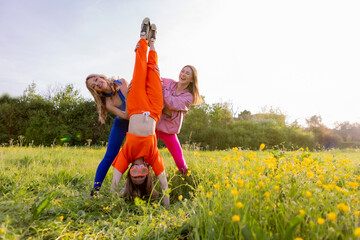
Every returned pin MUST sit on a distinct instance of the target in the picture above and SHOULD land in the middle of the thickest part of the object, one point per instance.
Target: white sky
(302, 57)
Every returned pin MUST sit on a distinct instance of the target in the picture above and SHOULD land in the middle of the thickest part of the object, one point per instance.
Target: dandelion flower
(210, 213)
(217, 186)
(343, 207)
(262, 146)
(180, 197)
(61, 218)
(308, 194)
(276, 188)
(357, 232)
(267, 194)
(209, 194)
(302, 212)
(320, 221)
(261, 184)
(155, 205)
(357, 213)
(239, 205)
(298, 238)
(2, 230)
(332, 216)
(235, 218)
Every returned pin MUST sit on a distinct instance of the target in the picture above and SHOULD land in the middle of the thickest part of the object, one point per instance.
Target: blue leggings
(117, 135)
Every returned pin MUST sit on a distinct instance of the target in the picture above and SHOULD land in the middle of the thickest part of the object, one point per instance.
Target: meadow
(234, 194)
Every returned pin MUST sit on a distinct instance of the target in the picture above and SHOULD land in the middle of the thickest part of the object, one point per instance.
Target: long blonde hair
(194, 87)
(100, 98)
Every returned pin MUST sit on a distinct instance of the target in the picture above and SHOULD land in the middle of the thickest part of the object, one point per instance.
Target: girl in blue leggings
(109, 95)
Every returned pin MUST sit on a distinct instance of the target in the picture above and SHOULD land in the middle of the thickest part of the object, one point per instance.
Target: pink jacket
(178, 104)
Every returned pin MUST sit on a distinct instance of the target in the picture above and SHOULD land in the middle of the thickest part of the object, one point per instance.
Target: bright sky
(302, 57)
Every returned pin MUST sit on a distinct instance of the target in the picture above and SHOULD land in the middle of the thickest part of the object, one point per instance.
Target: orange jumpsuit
(145, 96)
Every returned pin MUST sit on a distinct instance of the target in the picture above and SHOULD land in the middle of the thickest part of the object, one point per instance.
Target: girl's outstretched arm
(115, 181)
(164, 187)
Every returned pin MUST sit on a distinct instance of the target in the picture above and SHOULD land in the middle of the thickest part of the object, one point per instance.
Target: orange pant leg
(154, 87)
(137, 96)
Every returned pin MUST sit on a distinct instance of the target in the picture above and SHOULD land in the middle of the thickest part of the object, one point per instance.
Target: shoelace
(146, 114)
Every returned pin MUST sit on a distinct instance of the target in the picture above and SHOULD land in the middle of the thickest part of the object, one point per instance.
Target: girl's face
(138, 173)
(186, 76)
(98, 84)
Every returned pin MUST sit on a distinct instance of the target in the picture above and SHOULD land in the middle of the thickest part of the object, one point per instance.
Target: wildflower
(180, 197)
(2, 230)
(320, 221)
(343, 207)
(61, 218)
(357, 232)
(209, 194)
(308, 194)
(298, 238)
(210, 213)
(217, 186)
(302, 212)
(332, 216)
(234, 149)
(247, 186)
(276, 188)
(310, 174)
(86, 204)
(267, 194)
(319, 183)
(239, 205)
(262, 146)
(261, 184)
(155, 205)
(235, 192)
(357, 213)
(228, 185)
(235, 218)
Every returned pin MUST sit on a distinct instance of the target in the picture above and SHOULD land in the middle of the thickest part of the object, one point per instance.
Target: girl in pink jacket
(178, 98)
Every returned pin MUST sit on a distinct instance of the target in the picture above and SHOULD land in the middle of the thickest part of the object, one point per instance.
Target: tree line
(64, 117)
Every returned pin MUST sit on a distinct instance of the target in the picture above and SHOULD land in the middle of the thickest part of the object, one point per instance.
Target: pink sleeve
(178, 103)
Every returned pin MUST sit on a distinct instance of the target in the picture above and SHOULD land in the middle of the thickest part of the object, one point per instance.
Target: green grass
(44, 194)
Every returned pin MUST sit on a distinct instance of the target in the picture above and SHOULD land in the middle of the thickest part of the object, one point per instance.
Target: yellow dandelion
(61, 218)
(262, 146)
(234, 149)
(357, 213)
(239, 205)
(320, 221)
(261, 184)
(357, 232)
(343, 207)
(210, 213)
(247, 186)
(298, 238)
(2, 230)
(267, 194)
(319, 183)
(235, 192)
(235, 218)
(332, 216)
(217, 186)
(276, 188)
(228, 185)
(302, 212)
(86, 204)
(180, 197)
(209, 194)
(155, 205)
(308, 194)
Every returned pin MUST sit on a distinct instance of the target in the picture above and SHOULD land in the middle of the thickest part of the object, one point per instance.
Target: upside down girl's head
(140, 182)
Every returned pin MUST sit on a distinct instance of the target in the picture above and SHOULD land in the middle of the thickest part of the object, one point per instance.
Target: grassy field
(44, 194)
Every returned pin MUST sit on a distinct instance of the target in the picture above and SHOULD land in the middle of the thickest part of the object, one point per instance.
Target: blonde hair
(194, 87)
(100, 98)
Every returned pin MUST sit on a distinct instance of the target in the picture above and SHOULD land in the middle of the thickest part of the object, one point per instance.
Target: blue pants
(117, 135)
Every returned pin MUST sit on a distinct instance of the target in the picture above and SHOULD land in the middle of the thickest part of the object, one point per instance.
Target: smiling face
(186, 76)
(98, 83)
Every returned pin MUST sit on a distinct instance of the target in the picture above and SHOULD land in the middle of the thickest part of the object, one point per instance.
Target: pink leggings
(173, 145)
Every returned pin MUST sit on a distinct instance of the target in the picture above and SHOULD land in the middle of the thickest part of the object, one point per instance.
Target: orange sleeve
(120, 162)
